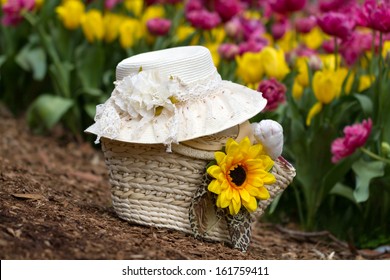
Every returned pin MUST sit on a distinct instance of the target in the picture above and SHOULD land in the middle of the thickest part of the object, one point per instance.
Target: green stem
(379, 88)
(299, 204)
(374, 156)
(336, 51)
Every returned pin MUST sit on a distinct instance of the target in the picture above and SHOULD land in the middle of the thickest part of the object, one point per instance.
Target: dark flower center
(238, 175)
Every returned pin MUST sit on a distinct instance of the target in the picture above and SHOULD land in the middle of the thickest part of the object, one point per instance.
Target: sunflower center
(238, 175)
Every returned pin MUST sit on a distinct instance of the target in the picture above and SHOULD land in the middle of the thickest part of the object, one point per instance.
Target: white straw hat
(172, 95)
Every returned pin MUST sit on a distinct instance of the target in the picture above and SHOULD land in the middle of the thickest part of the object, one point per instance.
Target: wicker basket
(154, 188)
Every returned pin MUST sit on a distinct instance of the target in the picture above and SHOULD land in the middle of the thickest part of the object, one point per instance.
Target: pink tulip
(274, 92)
(193, 5)
(12, 11)
(252, 45)
(355, 46)
(154, 2)
(234, 29)
(158, 26)
(287, 6)
(203, 19)
(227, 9)
(305, 25)
(279, 28)
(335, 5)
(355, 136)
(379, 17)
(336, 24)
(328, 45)
(252, 28)
(109, 4)
(228, 51)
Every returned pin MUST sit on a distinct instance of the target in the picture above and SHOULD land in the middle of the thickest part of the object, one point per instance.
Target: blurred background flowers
(322, 65)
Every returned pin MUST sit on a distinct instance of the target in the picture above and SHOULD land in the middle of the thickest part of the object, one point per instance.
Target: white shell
(270, 134)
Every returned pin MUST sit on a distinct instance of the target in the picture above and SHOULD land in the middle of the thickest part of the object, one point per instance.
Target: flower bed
(323, 66)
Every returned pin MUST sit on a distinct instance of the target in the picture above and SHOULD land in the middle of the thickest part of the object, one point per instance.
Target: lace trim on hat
(144, 96)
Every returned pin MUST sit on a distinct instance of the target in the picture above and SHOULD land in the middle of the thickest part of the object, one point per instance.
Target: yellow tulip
(249, 67)
(39, 3)
(349, 82)
(216, 35)
(314, 38)
(134, 6)
(313, 111)
(287, 42)
(183, 32)
(297, 90)
(274, 63)
(70, 13)
(303, 71)
(386, 49)
(365, 81)
(111, 24)
(252, 14)
(327, 84)
(3, 2)
(130, 31)
(326, 87)
(92, 24)
(213, 48)
(329, 61)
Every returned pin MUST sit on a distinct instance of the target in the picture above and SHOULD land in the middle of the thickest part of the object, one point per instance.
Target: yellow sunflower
(240, 175)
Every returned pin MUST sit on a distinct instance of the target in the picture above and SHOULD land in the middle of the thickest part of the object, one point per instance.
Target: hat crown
(190, 63)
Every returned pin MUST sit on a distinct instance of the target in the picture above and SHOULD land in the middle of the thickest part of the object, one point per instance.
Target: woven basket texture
(154, 188)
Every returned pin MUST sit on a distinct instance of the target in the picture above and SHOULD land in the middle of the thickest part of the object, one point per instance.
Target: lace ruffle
(140, 96)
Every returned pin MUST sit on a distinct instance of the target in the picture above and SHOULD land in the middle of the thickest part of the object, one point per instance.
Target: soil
(55, 203)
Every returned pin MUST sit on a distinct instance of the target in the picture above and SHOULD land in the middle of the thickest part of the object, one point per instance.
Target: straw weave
(154, 188)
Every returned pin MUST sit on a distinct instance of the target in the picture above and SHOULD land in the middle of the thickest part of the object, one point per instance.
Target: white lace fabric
(137, 97)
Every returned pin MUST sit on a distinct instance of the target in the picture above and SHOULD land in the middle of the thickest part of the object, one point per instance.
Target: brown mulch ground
(55, 204)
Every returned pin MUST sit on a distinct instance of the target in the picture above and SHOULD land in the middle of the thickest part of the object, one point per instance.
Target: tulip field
(323, 66)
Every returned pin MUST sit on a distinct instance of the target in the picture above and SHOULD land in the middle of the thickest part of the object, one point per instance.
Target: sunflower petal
(245, 145)
(236, 196)
(234, 207)
(229, 194)
(224, 202)
(219, 157)
(269, 179)
(244, 195)
(231, 147)
(214, 171)
(214, 187)
(253, 191)
(250, 205)
(255, 150)
(264, 194)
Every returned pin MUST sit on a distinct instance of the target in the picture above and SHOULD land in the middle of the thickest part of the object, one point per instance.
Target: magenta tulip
(336, 24)
(274, 91)
(355, 136)
(158, 26)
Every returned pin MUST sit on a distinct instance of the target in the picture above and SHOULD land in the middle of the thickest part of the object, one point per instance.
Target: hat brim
(228, 105)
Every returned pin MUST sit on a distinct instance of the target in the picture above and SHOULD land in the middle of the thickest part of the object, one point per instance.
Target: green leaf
(365, 103)
(89, 65)
(365, 171)
(344, 191)
(90, 109)
(3, 59)
(93, 91)
(47, 110)
(274, 203)
(33, 60)
(337, 173)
